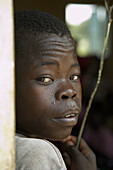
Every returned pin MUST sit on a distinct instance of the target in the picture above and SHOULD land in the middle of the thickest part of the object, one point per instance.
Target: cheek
(79, 92)
(40, 99)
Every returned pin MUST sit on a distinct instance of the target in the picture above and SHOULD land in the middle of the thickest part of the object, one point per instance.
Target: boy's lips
(68, 118)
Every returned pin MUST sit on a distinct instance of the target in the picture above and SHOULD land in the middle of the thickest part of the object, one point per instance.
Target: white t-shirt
(37, 154)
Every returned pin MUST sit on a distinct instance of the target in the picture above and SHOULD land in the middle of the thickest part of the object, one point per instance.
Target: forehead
(47, 46)
(53, 39)
(55, 43)
(51, 45)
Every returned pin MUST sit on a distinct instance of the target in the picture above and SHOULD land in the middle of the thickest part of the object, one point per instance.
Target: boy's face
(48, 92)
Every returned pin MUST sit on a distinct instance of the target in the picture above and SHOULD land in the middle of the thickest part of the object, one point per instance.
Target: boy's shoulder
(37, 154)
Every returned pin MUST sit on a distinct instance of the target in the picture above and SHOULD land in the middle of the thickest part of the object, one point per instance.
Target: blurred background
(87, 21)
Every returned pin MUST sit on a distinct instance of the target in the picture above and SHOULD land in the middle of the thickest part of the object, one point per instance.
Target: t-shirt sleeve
(36, 154)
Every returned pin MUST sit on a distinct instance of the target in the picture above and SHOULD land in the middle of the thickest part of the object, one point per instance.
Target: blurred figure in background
(98, 131)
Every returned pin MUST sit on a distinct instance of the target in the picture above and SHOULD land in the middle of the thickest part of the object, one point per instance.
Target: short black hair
(32, 24)
(39, 22)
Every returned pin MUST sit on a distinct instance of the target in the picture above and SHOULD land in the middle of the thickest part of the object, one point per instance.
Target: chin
(60, 136)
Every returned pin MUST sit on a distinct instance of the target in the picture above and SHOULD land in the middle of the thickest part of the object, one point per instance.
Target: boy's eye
(74, 77)
(44, 79)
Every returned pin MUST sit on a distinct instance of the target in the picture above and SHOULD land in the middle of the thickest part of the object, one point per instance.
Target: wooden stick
(98, 80)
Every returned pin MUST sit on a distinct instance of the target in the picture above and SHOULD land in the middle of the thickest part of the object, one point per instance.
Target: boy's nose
(65, 94)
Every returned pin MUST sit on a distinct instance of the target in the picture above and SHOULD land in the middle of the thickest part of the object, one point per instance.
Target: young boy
(48, 95)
